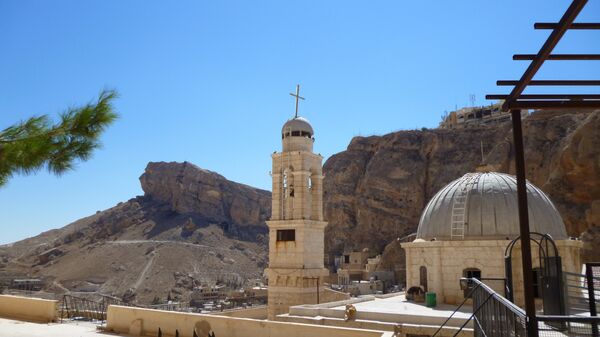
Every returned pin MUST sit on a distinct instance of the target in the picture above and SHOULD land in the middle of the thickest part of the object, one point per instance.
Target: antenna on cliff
(482, 161)
(482, 167)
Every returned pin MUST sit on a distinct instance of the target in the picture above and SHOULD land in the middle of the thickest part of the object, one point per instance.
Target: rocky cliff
(192, 226)
(377, 188)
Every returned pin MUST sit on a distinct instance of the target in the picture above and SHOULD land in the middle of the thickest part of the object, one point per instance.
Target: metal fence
(495, 316)
(579, 295)
(79, 308)
(82, 309)
(560, 326)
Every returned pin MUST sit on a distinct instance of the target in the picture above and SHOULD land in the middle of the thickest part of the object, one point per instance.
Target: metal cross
(297, 95)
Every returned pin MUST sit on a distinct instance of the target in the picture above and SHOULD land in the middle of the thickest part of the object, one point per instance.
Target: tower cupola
(297, 135)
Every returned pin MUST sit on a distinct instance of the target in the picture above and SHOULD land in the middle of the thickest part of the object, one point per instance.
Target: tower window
(285, 184)
(286, 235)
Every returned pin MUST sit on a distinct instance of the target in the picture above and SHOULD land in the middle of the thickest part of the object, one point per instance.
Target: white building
(466, 227)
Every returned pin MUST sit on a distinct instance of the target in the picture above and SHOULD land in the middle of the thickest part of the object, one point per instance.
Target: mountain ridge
(194, 226)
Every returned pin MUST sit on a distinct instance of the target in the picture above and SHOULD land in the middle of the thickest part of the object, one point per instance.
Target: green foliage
(39, 142)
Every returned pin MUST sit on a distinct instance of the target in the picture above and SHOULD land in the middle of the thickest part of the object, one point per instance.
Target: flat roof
(388, 308)
(399, 305)
(15, 328)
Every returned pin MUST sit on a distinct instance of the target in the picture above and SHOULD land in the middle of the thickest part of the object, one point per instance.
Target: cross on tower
(297, 95)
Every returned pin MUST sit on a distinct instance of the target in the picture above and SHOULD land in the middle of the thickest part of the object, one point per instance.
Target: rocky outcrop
(187, 188)
(376, 189)
(190, 189)
(190, 222)
(196, 223)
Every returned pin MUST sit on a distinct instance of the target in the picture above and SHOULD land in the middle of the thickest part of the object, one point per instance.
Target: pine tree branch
(37, 142)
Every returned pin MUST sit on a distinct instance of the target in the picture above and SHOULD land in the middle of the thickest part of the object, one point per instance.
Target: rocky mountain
(377, 188)
(191, 226)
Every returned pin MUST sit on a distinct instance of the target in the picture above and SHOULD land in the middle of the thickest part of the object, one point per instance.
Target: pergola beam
(558, 57)
(566, 105)
(551, 82)
(563, 25)
(548, 96)
(575, 25)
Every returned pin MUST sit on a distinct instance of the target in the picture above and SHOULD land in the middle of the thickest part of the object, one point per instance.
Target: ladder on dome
(459, 208)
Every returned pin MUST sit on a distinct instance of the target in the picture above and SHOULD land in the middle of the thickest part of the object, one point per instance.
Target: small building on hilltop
(476, 116)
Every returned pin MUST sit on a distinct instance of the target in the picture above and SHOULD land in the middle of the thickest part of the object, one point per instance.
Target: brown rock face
(188, 189)
(376, 189)
(193, 224)
(190, 222)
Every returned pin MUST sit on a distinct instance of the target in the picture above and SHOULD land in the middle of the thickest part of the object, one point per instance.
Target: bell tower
(296, 227)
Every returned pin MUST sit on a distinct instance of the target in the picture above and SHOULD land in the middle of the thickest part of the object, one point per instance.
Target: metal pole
(589, 275)
(532, 329)
(317, 290)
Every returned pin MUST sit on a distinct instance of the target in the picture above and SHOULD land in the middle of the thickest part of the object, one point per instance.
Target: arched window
(423, 277)
(309, 182)
(285, 184)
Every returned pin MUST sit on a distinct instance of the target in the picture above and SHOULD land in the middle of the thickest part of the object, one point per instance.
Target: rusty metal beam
(563, 105)
(575, 25)
(564, 23)
(559, 57)
(551, 82)
(548, 96)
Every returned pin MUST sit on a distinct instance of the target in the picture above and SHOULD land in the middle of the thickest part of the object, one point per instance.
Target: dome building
(464, 231)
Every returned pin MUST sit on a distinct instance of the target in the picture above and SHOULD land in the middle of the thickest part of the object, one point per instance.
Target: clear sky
(208, 81)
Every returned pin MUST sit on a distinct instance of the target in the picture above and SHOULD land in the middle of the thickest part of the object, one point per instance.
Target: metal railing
(82, 309)
(495, 316)
(579, 296)
(79, 308)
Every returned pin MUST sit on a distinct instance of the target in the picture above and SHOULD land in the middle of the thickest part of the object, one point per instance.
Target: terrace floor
(13, 328)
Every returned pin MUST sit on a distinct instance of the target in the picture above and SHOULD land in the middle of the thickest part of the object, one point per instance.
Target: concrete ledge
(28, 309)
(145, 322)
(253, 312)
(401, 329)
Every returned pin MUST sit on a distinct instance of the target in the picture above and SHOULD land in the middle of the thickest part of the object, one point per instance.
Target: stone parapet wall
(28, 309)
(145, 322)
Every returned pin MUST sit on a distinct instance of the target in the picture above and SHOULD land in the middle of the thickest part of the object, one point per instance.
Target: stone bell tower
(296, 227)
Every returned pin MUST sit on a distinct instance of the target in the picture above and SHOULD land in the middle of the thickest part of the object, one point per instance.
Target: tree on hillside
(39, 142)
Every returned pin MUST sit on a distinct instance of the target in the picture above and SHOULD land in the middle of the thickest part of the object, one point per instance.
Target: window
(471, 273)
(285, 183)
(289, 133)
(286, 235)
(346, 258)
(423, 277)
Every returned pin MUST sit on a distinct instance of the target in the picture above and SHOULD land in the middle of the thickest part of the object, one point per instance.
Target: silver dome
(490, 209)
(298, 126)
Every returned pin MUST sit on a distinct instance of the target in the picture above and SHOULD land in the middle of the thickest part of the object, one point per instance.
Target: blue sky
(208, 81)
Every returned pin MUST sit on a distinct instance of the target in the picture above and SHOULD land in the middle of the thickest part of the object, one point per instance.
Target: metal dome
(297, 126)
(489, 204)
